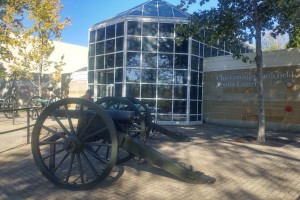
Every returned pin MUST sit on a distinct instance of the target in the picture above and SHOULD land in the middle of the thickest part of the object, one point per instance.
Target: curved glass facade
(135, 55)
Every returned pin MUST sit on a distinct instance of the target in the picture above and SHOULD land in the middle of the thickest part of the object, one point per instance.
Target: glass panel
(133, 90)
(194, 78)
(119, 44)
(100, 62)
(181, 61)
(214, 51)
(183, 47)
(164, 91)
(148, 75)
(164, 106)
(199, 117)
(193, 118)
(166, 45)
(165, 76)
(137, 12)
(193, 107)
(164, 117)
(101, 78)
(133, 60)
(193, 92)
(92, 50)
(91, 77)
(206, 51)
(133, 75)
(133, 28)
(119, 59)
(178, 14)
(194, 63)
(179, 107)
(110, 31)
(134, 43)
(179, 118)
(92, 36)
(195, 48)
(119, 75)
(150, 29)
(200, 93)
(165, 11)
(180, 92)
(150, 10)
(100, 34)
(166, 30)
(199, 107)
(99, 48)
(118, 90)
(200, 79)
(101, 91)
(110, 46)
(201, 50)
(109, 61)
(110, 78)
(148, 91)
(165, 61)
(91, 63)
(149, 60)
(180, 77)
(201, 64)
(120, 29)
(149, 44)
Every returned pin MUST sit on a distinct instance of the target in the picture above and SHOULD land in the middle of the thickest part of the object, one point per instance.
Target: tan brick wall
(230, 96)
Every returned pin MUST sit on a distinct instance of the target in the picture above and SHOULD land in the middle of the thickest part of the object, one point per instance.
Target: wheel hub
(72, 144)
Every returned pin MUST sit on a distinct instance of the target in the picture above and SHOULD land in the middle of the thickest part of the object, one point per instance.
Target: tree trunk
(259, 76)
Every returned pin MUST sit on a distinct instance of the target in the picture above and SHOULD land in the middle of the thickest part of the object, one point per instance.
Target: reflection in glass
(194, 78)
(165, 76)
(133, 43)
(110, 78)
(148, 75)
(101, 78)
(195, 48)
(180, 92)
(92, 36)
(100, 34)
(110, 46)
(182, 48)
(149, 60)
(165, 61)
(119, 44)
(164, 106)
(92, 50)
(118, 90)
(181, 61)
(133, 75)
(110, 31)
(120, 29)
(119, 59)
(164, 117)
(180, 77)
(109, 61)
(179, 118)
(99, 48)
(100, 62)
(91, 63)
(134, 28)
(164, 91)
(178, 14)
(165, 11)
(149, 44)
(150, 28)
(194, 63)
(148, 91)
(101, 91)
(166, 45)
(119, 75)
(200, 78)
(179, 107)
(150, 10)
(132, 90)
(166, 30)
(91, 77)
(193, 93)
(133, 59)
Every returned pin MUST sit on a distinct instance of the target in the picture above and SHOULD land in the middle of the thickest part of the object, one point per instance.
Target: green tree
(294, 41)
(240, 21)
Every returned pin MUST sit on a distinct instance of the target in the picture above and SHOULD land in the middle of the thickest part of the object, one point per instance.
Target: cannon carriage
(39, 104)
(78, 148)
(9, 103)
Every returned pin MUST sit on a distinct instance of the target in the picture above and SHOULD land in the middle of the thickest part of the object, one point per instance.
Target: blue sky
(84, 14)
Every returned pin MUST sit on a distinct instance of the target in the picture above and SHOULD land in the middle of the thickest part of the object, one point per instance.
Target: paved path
(243, 170)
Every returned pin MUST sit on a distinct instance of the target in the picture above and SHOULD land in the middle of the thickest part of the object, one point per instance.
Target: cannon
(9, 103)
(39, 104)
(76, 144)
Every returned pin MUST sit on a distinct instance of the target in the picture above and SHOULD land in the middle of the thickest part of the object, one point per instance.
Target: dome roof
(155, 8)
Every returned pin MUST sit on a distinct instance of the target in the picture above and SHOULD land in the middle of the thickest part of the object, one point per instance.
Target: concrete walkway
(243, 169)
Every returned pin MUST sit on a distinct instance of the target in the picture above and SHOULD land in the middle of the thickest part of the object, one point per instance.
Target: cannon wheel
(53, 99)
(10, 102)
(34, 102)
(70, 151)
(135, 129)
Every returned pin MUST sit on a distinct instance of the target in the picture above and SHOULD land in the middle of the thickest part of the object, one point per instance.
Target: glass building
(134, 54)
